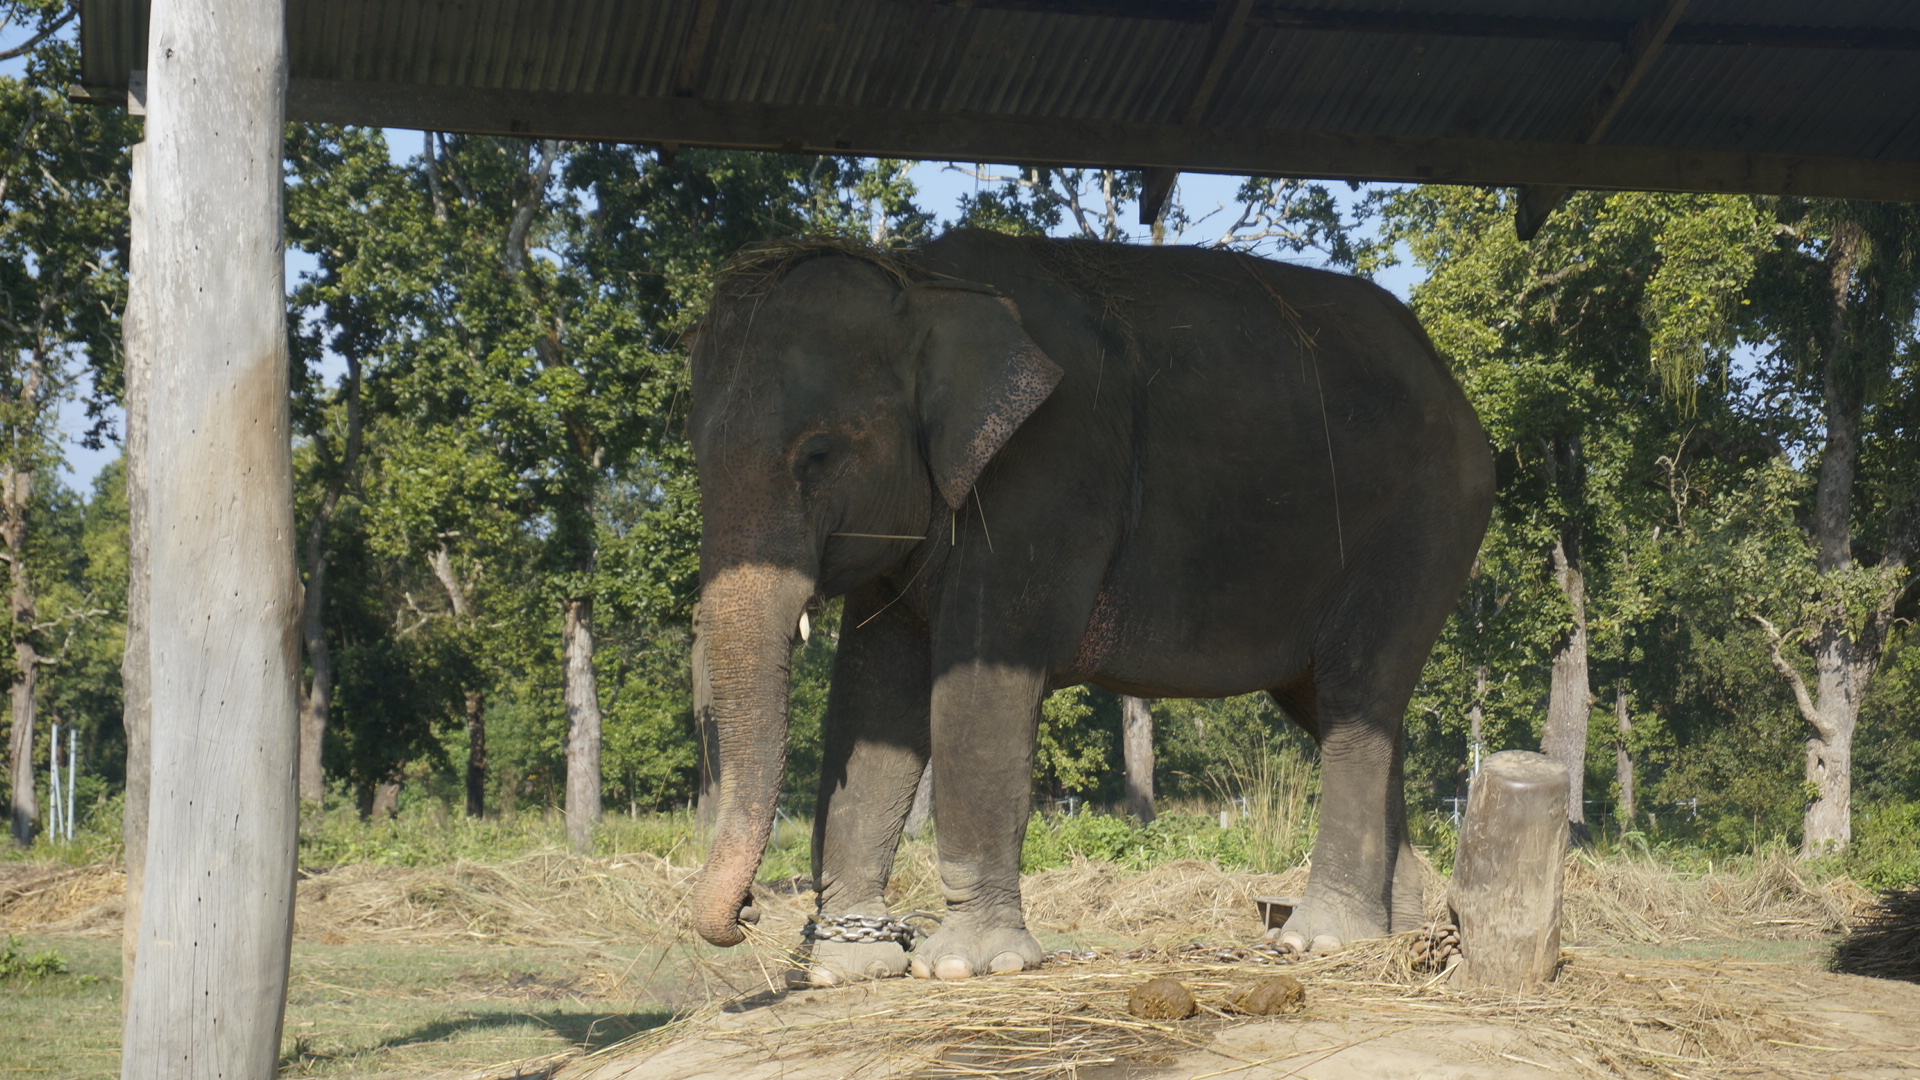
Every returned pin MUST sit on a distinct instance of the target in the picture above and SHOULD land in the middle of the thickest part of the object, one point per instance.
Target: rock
(1161, 999)
(1270, 997)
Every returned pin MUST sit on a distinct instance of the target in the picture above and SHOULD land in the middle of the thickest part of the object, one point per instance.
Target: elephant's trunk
(748, 615)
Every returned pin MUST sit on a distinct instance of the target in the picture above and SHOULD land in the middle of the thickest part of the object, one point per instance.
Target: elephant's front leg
(874, 746)
(984, 720)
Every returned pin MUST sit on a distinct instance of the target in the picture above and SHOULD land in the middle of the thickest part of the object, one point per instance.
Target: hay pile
(53, 899)
(1640, 901)
(1625, 1018)
(1886, 945)
(561, 899)
(1177, 901)
(548, 898)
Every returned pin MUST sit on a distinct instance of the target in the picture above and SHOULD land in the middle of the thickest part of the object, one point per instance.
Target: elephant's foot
(832, 963)
(1326, 923)
(960, 951)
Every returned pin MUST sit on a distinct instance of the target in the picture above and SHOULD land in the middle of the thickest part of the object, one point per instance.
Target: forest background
(1696, 589)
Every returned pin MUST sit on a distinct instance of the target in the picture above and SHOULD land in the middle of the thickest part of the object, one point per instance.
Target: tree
(1585, 353)
(1836, 301)
(63, 194)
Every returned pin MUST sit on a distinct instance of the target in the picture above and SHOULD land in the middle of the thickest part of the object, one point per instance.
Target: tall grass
(1276, 791)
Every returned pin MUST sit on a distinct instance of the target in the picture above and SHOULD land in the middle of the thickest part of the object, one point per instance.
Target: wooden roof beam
(1229, 25)
(1637, 57)
(1012, 140)
(1279, 15)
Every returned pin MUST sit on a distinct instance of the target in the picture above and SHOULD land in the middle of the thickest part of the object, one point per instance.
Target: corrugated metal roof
(1833, 79)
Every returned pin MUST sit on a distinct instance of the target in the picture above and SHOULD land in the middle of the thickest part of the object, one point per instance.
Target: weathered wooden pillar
(1136, 745)
(1509, 871)
(136, 661)
(216, 920)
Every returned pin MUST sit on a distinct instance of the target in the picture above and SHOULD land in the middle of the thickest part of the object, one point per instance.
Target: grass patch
(362, 1010)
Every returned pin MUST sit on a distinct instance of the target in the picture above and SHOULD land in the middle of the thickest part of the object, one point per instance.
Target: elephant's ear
(980, 377)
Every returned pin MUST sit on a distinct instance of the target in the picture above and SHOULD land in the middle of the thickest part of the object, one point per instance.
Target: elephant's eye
(813, 461)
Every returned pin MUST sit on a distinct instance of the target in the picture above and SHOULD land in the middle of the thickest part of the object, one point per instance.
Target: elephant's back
(1242, 426)
(1231, 355)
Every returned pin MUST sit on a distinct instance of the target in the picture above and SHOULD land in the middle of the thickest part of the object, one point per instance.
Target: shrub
(1884, 853)
(14, 964)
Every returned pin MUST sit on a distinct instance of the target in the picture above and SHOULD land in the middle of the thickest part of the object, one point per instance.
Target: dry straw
(1613, 1017)
(1886, 944)
(1185, 920)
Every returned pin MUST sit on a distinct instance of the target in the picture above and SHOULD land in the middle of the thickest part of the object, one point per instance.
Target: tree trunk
(476, 710)
(475, 701)
(1564, 739)
(1136, 741)
(26, 798)
(318, 702)
(216, 919)
(583, 725)
(707, 800)
(16, 495)
(1476, 717)
(386, 800)
(1623, 758)
(1844, 659)
(135, 674)
(922, 802)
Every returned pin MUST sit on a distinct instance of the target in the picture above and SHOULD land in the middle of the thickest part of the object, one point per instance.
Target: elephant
(1030, 463)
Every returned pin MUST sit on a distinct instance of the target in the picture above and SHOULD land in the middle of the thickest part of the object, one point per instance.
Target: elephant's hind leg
(874, 743)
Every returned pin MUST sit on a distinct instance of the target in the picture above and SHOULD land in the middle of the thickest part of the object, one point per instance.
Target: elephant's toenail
(952, 967)
(1007, 961)
(1324, 944)
(878, 970)
(918, 969)
(1293, 941)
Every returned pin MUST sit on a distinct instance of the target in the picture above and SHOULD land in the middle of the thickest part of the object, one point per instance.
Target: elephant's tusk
(804, 628)
(878, 536)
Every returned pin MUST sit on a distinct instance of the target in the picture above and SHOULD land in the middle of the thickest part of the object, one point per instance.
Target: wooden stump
(1508, 875)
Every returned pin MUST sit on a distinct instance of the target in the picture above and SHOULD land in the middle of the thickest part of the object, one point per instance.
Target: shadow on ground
(587, 1031)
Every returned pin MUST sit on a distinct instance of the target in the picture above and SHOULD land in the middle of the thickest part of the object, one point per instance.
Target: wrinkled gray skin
(1275, 485)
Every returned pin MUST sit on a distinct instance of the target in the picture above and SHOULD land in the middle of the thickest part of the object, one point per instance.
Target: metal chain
(861, 930)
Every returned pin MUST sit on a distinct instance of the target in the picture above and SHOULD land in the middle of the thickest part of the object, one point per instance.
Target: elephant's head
(830, 396)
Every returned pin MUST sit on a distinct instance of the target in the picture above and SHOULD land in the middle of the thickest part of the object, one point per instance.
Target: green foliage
(1058, 839)
(16, 965)
(425, 834)
(1884, 853)
(1073, 754)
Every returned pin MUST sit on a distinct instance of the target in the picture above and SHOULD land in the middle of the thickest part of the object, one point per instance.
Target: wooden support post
(216, 919)
(134, 663)
(1508, 875)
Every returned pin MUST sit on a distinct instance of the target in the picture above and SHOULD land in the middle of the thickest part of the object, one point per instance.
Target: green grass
(359, 1010)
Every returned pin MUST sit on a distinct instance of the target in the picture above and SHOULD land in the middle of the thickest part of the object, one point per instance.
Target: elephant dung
(1270, 997)
(1161, 999)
